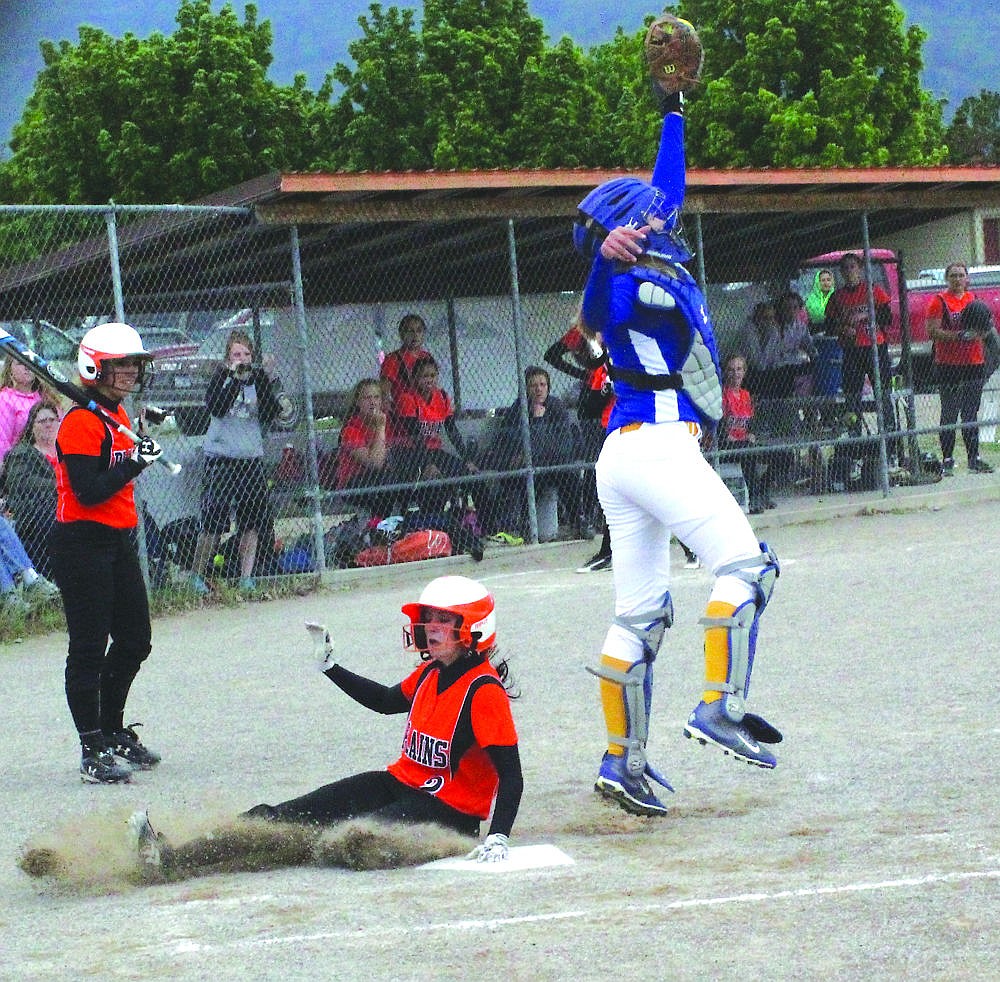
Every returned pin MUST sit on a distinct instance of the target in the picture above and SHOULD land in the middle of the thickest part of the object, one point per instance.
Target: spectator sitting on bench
(371, 451)
(424, 413)
(555, 439)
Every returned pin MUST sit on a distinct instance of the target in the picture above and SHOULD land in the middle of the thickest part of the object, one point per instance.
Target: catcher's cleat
(710, 724)
(630, 793)
(760, 729)
(102, 767)
(126, 744)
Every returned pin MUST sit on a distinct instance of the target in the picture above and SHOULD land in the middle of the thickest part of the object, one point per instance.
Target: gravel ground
(872, 851)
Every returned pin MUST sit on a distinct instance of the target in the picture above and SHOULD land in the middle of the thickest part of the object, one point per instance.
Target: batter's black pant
(97, 569)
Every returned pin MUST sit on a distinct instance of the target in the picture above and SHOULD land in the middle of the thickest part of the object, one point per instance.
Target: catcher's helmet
(105, 343)
(628, 201)
(468, 599)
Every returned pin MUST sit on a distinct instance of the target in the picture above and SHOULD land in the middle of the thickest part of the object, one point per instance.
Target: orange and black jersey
(95, 467)
(460, 744)
(422, 421)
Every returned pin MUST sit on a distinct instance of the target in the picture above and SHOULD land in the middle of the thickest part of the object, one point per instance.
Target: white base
(519, 857)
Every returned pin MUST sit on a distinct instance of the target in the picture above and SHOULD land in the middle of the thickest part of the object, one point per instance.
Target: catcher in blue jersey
(651, 476)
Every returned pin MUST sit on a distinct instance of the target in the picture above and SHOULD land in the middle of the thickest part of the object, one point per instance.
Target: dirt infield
(872, 851)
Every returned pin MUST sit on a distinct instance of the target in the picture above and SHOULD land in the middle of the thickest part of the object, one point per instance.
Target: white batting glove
(493, 850)
(148, 450)
(322, 646)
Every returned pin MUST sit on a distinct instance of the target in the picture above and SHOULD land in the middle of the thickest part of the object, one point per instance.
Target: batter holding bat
(95, 562)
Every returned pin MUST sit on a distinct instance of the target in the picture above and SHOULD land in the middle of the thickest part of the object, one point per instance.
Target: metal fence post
(312, 454)
(519, 358)
(111, 221)
(456, 375)
(700, 252)
(876, 373)
(909, 382)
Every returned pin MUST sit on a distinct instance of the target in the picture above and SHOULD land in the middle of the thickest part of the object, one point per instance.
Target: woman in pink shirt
(19, 391)
(30, 482)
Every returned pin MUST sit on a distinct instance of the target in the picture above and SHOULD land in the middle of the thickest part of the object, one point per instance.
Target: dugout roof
(419, 235)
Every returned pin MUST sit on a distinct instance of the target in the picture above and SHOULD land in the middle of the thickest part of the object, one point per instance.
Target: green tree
(796, 83)
(171, 118)
(167, 118)
(974, 134)
(450, 95)
(553, 127)
(386, 98)
(476, 53)
(624, 125)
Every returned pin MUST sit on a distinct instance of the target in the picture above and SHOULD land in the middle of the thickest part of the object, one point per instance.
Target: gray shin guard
(740, 627)
(760, 572)
(634, 684)
(637, 682)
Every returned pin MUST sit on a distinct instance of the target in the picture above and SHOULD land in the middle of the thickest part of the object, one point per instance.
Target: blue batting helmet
(624, 201)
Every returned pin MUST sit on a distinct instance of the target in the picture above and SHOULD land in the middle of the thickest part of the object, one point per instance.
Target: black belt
(646, 383)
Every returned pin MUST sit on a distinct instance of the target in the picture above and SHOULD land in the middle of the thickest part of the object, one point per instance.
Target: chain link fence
(355, 472)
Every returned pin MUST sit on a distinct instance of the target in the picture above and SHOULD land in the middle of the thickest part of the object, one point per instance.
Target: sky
(310, 36)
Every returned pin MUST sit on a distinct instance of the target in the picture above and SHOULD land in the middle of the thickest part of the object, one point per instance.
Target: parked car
(161, 339)
(166, 341)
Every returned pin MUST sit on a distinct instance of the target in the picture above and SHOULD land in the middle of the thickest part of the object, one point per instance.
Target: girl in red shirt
(459, 758)
(736, 431)
(371, 450)
(589, 364)
(398, 367)
(425, 413)
(94, 559)
(959, 356)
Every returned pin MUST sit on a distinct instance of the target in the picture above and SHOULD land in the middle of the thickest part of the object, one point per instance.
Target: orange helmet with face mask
(467, 599)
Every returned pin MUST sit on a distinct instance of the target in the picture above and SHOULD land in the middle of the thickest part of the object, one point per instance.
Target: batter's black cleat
(126, 744)
(102, 767)
(597, 563)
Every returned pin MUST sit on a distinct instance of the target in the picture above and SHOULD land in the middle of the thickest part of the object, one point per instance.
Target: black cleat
(101, 767)
(126, 744)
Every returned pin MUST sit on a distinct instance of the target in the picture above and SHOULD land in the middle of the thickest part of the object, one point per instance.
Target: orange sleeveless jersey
(442, 750)
(949, 307)
(82, 432)
(430, 414)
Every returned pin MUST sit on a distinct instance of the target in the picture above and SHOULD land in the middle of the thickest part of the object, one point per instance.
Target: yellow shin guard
(613, 703)
(717, 649)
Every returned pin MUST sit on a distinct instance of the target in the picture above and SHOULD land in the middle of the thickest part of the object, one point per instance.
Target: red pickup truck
(984, 281)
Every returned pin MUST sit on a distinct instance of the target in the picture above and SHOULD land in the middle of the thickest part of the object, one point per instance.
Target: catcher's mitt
(674, 54)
